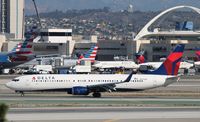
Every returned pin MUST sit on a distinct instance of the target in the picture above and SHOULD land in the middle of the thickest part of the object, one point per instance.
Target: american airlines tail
(25, 47)
(90, 55)
(23, 51)
(22, 48)
(171, 65)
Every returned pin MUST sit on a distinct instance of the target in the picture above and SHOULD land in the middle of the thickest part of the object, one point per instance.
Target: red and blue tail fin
(90, 55)
(140, 57)
(198, 53)
(171, 65)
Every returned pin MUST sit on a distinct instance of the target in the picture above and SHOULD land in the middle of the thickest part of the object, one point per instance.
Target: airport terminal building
(156, 44)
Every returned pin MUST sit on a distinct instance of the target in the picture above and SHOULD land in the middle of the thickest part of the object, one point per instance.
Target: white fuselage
(63, 81)
(156, 65)
(153, 65)
(116, 64)
(197, 64)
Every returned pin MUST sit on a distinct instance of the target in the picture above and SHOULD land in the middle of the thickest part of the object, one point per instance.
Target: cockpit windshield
(15, 80)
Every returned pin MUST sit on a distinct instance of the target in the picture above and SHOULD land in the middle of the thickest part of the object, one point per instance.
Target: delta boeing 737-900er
(20, 54)
(84, 84)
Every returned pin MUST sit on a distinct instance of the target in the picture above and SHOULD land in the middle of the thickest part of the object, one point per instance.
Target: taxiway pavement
(105, 114)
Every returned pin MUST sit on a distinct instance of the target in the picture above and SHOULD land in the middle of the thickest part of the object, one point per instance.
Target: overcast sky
(142, 5)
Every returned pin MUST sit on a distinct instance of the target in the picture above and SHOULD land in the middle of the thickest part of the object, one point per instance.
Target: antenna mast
(36, 10)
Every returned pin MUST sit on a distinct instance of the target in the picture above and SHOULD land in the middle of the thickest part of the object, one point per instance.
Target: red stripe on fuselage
(27, 52)
(19, 58)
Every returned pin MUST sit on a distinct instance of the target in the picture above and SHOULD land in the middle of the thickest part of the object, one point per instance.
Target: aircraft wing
(108, 86)
(110, 67)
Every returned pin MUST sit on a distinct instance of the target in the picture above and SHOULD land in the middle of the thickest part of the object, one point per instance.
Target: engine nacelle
(79, 90)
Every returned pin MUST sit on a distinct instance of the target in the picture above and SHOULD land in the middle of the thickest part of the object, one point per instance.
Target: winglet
(129, 77)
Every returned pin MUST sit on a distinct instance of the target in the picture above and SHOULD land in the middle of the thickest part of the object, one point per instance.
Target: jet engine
(79, 90)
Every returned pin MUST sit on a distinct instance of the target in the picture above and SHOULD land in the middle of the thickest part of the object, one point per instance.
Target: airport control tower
(12, 17)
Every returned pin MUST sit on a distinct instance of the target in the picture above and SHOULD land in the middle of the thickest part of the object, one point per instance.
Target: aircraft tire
(22, 93)
(96, 94)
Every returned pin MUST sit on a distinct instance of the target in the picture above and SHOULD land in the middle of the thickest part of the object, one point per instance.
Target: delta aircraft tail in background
(197, 63)
(140, 57)
(20, 54)
(198, 53)
(84, 84)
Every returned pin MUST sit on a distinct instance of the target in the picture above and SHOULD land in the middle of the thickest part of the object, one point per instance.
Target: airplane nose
(9, 85)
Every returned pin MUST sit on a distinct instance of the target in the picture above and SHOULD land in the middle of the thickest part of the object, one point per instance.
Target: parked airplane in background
(84, 84)
(115, 65)
(154, 65)
(140, 57)
(90, 55)
(20, 54)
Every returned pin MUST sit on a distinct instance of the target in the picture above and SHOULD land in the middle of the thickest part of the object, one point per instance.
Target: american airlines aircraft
(20, 54)
(82, 84)
(115, 64)
(90, 55)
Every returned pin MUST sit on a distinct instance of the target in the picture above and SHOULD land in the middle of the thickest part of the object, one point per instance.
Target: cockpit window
(15, 80)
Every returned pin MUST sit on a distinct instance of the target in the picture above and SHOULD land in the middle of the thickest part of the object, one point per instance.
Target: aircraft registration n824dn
(84, 84)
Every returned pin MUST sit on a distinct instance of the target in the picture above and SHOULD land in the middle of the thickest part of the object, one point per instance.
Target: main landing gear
(96, 94)
(21, 93)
